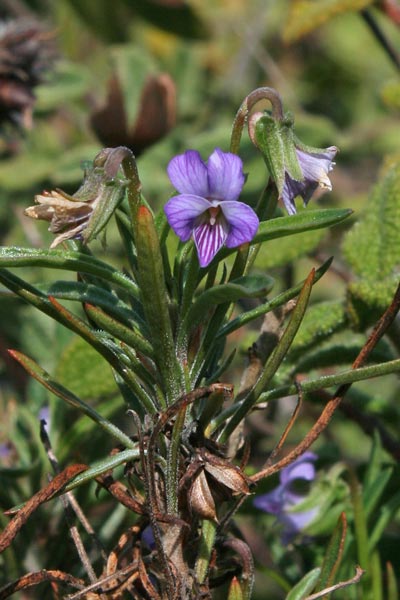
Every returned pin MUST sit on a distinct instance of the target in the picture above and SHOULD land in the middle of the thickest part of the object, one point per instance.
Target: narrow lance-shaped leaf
(79, 291)
(327, 381)
(244, 287)
(274, 361)
(333, 555)
(69, 261)
(55, 310)
(305, 586)
(279, 300)
(155, 301)
(59, 390)
(125, 334)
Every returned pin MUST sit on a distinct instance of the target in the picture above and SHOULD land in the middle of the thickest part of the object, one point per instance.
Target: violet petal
(315, 167)
(225, 175)
(302, 468)
(209, 239)
(182, 211)
(243, 222)
(272, 502)
(188, 174)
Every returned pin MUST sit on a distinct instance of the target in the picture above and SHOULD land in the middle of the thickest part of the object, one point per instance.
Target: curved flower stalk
(297, 169)
(207, 206)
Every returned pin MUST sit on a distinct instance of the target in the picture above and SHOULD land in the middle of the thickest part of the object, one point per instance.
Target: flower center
(213, 212)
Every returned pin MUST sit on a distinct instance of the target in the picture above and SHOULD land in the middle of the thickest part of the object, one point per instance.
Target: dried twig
(359, 573)
(379, 330)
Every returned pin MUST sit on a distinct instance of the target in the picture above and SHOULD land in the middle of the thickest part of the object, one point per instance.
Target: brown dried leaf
(228, 475)
(200, 498)
(56, 485)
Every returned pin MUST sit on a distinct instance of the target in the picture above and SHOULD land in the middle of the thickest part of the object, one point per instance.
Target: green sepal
(268, 138)
(333, 555)
(292, 165)
(102, 189)
(304, 586)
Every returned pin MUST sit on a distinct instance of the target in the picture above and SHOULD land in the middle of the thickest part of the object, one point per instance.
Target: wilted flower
(315, 167)
(282, 501)
(68, 216)
(207, 205)
(296, 169)
(86, 213)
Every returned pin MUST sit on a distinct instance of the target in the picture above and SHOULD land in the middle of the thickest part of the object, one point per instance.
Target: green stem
(207, 539)
(173, 463)
(263, 93)
(343, 378)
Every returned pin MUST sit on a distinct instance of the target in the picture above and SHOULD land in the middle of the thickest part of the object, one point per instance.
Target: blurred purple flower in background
(284, 498)
(207, 205)
(315, 167)
(44, 415)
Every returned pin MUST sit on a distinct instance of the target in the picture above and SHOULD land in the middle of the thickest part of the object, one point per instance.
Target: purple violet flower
(315, 167)
(284, 498)
(207, 207)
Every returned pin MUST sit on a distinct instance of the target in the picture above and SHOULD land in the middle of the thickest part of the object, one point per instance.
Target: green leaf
(152, 285)
(372, 246)
(69, 261)
(79, 291)
(306, 15)
(386, 514)
(392, 587)
(252, 286)
(84, 370)
(333, 555)
(102, 466)
(279, 300)
(274, 361)
(59, 390)
(307, 220)
(304, 586)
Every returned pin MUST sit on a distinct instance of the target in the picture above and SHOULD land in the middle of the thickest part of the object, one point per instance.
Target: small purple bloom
(284, 498)
(207, 207)
(315, 167)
